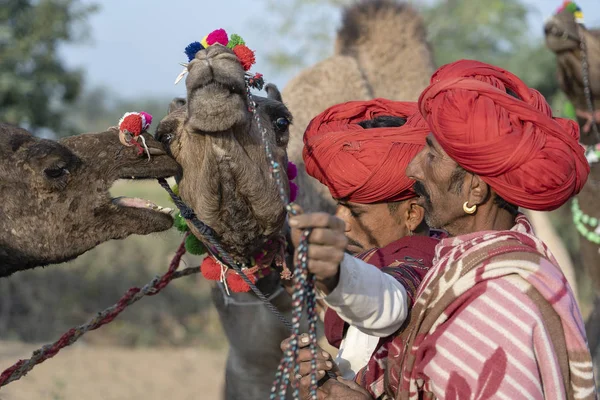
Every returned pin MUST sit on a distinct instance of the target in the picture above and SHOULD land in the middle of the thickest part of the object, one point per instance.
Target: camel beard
(231, 190)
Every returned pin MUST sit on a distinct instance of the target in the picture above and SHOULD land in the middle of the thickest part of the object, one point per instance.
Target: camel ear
(273, 92)
(176, 103)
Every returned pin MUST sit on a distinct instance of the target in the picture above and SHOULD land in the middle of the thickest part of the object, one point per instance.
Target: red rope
(22, 367)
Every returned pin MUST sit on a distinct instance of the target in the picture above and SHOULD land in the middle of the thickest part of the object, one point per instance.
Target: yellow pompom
(203, 42)
(578, 16)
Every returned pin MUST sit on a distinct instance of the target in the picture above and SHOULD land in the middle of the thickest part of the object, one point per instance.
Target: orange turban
(364, 165)
(530, 158)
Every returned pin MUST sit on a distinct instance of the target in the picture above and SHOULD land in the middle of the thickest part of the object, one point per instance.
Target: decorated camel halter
(131, 127)
(304, 292)
(585, 68)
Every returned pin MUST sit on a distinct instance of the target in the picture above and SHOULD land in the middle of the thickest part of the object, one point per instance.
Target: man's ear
(479, 191)
(414, 214)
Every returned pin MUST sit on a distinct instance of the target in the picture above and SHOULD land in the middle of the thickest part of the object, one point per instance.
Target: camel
(55, 201)
(226, 180)
(562, 33)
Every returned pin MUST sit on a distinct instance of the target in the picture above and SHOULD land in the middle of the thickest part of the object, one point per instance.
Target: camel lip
(232, 87)
(158, 166)
(137, 202)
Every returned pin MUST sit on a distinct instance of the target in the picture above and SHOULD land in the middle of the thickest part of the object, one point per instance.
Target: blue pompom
(192, 49)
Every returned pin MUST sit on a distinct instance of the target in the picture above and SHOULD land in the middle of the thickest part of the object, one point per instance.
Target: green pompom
(571, 7)
(194, 246)
(234, 40)
(179, 223)
(569, 111)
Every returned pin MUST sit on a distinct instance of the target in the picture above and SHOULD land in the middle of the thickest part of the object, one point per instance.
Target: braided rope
(585, 69)
(22, 367)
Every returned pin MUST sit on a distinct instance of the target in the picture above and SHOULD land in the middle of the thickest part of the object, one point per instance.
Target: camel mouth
(234, 88)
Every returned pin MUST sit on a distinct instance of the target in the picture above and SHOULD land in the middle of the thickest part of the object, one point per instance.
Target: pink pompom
(218, 36)
(292, 171)
(148, 119)
(293, 191)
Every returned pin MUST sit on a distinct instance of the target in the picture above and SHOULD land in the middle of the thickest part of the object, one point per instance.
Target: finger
(305, 381)
(322, 365)
(328, 237)
(285, 343)
(297, 209)
(323, 269)
(317, 220)
(319, 252)
(306, 355)
(353, 385)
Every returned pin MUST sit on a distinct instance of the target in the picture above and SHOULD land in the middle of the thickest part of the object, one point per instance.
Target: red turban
(530, 158)
(364, 165)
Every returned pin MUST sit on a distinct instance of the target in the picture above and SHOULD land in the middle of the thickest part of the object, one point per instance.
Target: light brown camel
(381, 51)
(55, 201)
(226, 179)
(563, 34)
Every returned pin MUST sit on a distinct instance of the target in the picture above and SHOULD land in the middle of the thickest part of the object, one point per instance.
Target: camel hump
(389, 41)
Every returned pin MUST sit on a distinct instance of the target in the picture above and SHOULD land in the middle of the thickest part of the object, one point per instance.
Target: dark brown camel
(55, 201)
(227, 181)
(563, 38)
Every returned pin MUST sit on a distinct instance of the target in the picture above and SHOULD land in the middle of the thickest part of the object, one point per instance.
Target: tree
(35, 85)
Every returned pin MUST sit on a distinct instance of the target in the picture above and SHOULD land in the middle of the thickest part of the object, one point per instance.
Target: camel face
(56, 203)
(214, 137)
(562, 32)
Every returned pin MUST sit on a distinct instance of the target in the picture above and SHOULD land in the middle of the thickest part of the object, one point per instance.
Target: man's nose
(342, 213)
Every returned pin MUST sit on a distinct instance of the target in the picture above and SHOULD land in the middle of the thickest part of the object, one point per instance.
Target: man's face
(371, 225)
(439, 184)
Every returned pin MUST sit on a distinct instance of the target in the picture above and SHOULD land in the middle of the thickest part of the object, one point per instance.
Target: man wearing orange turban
(360, 150)
(494, 317)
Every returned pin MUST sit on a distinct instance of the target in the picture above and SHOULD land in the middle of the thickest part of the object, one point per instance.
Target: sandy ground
(111, 373)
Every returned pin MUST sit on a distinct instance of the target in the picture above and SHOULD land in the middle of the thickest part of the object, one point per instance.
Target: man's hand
(324, 362)
(327, 244)
(342, 390)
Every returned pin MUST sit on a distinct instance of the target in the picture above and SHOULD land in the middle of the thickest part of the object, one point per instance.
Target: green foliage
(34, 83)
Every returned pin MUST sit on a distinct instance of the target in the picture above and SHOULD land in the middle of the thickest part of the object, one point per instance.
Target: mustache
(354, 243)
(420, 190)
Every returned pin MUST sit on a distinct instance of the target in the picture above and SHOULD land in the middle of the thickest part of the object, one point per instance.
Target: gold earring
(469, 210)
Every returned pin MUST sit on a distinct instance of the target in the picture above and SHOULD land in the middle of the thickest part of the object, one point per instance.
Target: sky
(135, 46)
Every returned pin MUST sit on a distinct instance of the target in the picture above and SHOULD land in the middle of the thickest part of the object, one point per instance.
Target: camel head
(55, 195)
(562, 31)
(212, 134)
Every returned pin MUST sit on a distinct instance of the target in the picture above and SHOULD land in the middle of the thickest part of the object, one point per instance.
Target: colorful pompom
(192, 49)
(217, 36)
(235, 40)
(236, 283)
(293, 191)
(147, 119)
(131, 123)
(210, 269)
(245, 55)
(203, 42)
(292, 171)
(256, 82)
(194, 246)
(180, 224)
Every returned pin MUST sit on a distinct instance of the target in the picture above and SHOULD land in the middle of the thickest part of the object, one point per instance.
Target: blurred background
(72, 66)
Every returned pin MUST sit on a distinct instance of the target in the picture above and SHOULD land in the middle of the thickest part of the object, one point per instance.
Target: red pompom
(245, 55)
(210, 269)
(236, 284)
(292, 171)
(218, 36)
(132, 124)
(293, 191)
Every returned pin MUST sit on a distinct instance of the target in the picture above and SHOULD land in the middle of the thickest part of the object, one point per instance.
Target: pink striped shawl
(494, 318)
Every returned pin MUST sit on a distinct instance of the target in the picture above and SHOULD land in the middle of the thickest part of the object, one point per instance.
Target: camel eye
(56, 172)
(282, 124)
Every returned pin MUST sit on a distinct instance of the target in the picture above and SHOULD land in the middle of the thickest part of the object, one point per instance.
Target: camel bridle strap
(587, 90)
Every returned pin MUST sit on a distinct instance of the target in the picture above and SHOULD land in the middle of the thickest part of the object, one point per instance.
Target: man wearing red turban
(360, 150)
(494, 317)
